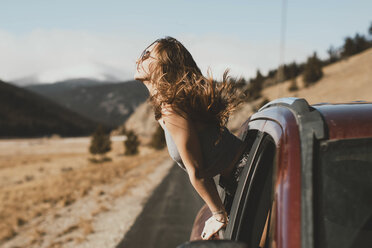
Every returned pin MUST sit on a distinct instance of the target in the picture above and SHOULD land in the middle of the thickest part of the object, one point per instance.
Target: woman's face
(143, 63)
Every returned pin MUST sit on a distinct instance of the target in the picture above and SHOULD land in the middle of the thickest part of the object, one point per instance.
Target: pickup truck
(307, 182)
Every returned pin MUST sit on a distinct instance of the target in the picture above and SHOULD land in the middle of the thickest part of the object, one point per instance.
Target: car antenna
(283, 26)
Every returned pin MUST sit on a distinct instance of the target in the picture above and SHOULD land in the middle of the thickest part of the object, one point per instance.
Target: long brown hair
(179, 82)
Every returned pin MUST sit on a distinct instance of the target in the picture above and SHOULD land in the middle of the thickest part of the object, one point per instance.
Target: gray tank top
(215, 157)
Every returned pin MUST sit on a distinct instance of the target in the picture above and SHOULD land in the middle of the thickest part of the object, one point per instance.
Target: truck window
(343, 190)
(259, 199)
(249, 139)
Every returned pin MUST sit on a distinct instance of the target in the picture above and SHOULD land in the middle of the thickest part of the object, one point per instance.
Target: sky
(47, 41)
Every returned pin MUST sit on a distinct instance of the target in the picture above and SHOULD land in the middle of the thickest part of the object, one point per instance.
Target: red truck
(307, 181)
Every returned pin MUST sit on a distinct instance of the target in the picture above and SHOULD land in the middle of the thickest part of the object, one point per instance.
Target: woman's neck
(150, 87)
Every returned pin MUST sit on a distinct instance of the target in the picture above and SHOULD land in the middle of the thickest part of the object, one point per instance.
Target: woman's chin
(139, 77)
(136, 77)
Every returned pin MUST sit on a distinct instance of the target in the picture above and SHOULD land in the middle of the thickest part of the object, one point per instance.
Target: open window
(258, 199)
(249, 139)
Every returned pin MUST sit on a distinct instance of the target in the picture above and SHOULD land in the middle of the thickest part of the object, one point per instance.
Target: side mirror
(213, 244)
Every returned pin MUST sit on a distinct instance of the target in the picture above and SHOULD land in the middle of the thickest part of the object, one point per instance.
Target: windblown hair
(179, 82)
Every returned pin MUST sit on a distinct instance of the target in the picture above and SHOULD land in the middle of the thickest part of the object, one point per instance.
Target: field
(52, 195)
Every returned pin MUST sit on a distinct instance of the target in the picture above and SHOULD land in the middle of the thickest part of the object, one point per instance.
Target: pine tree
(158, 138)
(348, 48)
(255, 86)
(131, 143)
(100, 142)
(361, 43)
(313, 70)
(354, 45)
(333, 55)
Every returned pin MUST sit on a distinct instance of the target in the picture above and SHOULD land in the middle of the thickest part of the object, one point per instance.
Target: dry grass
(39, 183)
(344, 81)
(347, 80)
(100, 209)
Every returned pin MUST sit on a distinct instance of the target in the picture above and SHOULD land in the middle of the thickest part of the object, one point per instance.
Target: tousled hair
(179, 82)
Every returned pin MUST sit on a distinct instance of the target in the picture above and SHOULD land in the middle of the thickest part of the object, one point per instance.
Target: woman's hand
(214, 224)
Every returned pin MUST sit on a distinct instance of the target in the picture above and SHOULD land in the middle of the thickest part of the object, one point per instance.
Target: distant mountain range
(26, 114)
(65, 85)
(87, 70)
(110, 103)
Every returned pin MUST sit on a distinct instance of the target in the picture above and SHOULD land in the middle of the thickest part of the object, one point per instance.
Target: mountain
(142, 122)
(65, 85)
(88, 70)
(27, 80)
(26, 114)
(105, 102)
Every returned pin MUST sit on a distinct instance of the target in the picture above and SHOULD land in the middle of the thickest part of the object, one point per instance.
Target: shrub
(158, 139)
(293, 70)
(293, 86)
(239, 83)
(100, 142)
(122, 130)
(313, 70)
(254, 87)
(334, 55)
(131, 143)
(354, 45)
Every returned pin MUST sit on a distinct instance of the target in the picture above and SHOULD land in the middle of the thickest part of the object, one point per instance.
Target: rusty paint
(347, 121)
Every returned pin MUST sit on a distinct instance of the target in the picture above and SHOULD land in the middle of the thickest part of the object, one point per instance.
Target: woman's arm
(184, 134)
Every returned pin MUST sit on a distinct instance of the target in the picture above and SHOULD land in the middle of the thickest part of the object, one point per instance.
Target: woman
(193, 111)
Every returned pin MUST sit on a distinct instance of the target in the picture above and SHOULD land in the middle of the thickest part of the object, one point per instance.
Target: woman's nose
(137, 63)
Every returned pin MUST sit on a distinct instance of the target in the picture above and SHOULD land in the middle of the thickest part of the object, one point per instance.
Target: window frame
(254, 200)
(247, 178)
(241, 191)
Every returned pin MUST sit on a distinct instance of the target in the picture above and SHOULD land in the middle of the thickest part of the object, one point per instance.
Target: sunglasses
(146, 53)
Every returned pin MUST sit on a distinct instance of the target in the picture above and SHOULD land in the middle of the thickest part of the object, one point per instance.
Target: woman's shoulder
(170, 113)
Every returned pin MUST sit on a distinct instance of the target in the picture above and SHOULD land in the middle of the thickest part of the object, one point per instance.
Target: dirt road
(168, 215)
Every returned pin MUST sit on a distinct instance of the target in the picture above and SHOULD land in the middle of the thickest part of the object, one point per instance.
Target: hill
(26, 114)
(344, 81)
(347, 80)
(142, 122)
(105, 102)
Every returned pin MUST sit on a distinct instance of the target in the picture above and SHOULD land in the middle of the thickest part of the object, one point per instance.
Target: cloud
(51, 55)
(242, 57)
(55, 54)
